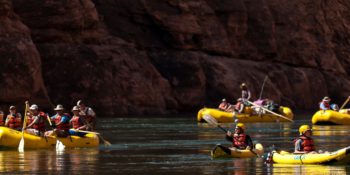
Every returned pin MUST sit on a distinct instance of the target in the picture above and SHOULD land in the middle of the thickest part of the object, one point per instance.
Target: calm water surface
(174, 145)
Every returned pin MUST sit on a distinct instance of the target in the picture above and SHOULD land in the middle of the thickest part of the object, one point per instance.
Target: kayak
(218, 152)
(324, 117)
(341, 156)
(246, 117)
(10, 138)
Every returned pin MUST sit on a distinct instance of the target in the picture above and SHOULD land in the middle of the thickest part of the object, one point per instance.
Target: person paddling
(77, 122)
(239, 107)
(224, 105)
(88, 115)
(36, 121)
(61, 122)
(239, 139)
(304, 144)
(14, 119)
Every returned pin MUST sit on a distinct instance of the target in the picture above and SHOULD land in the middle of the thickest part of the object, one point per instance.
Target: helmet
(241, 125)
(304, 128)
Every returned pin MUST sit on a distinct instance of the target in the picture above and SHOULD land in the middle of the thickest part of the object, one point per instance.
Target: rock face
(170, 56)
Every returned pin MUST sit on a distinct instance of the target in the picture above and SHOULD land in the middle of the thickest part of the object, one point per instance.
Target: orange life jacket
(76, 122)
(240, 141)
(307, 144)
(62, 126)
(14, 121)
(40, 126)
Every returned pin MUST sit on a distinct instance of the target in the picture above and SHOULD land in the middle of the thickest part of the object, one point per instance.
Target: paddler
(14, 119)
(88, 115)
(36, 121)
(77, 122)
(304, 144)
(239, 139)
(61, 122)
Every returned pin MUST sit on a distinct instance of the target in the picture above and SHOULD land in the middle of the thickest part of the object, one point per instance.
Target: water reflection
(306, 169)
(42, 161)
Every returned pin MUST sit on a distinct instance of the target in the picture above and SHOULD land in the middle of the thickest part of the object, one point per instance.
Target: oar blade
(209, 119)
(21, 145)
(59, 145)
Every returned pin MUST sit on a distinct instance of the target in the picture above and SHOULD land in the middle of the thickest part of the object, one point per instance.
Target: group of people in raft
(303, 144)
(243, 101)
(84, 119)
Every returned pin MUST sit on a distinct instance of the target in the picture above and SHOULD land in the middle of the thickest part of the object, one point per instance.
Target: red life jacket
(327, 105)
(238, 106)
(307, 144)
(76, 122)
(14, 121)
(240, 141)
(40, 126)
(62, 126)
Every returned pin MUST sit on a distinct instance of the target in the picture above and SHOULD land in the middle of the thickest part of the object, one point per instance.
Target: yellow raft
(341, 156)
(218, 152)
(10, 138)
(247, 116)
(331, 117)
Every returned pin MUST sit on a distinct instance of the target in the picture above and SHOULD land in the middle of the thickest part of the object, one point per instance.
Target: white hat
(12, 107)
(327, 99)
(34, 107)
(80, 102)
(58, 108)
(75, 108)
(224, 99)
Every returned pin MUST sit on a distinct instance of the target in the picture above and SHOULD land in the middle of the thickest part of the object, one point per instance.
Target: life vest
(238, 106)
(307, 144)
(14, 121)
(62, 126)
(40, 126)
(326, 105)
(76, 122)
(29, 120)
(88, 118)
(2, 123)
(239, 141)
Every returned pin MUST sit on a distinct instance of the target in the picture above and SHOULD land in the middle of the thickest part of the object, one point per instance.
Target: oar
(346, 102)
(21, 143)
(274, 113)
(105, 142)
(59, 145)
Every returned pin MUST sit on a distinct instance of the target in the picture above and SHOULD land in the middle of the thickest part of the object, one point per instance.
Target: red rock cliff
(157, 57)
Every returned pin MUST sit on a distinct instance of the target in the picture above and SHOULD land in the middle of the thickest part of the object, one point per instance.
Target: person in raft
(304, 144)
(224, 105)
(88, 115)
(36, 121)
(77, 123)
(239, 106)
(246, 95)
(325, 104)
(14, 119)
(61, 122)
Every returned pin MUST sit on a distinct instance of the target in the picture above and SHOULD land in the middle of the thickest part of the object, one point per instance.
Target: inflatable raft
(247, 116)
(10, 138)
(218, 152)
(341, 156)
(325, 117)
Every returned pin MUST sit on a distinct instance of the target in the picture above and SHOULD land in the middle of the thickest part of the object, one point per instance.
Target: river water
(174, 145)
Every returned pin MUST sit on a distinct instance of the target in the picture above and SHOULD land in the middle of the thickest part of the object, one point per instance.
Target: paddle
(274, 113)
(21, 143)
(346, 102)
(59, 145)
(212, 121)
(209, 119)
(105, 142)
